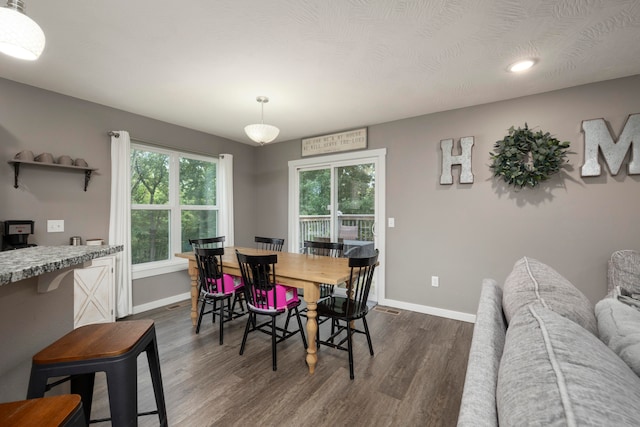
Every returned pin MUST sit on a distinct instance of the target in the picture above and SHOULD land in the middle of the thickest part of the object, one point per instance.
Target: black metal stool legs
(122, 383)
(83, 385)
(156, 379)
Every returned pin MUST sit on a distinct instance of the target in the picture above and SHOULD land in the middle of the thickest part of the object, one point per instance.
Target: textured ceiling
(326, 65)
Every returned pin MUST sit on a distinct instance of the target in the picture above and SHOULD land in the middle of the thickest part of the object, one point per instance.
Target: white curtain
(120, 219)
(225, 227)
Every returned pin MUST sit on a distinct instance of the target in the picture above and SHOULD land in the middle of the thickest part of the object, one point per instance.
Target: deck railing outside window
(318, 227)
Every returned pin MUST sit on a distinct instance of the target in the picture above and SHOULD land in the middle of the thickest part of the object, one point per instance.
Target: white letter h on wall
(464, 160)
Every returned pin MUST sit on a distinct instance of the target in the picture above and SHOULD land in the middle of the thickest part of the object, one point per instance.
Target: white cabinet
(94, 292)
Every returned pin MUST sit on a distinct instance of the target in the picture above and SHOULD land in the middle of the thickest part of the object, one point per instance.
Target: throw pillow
(624, 271)
(555, 373)
(533, 281)
(619, 327)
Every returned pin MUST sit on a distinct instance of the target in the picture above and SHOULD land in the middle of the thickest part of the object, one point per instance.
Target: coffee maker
(15, 234)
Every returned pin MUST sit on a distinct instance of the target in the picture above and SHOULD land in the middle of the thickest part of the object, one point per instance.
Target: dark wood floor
(414, 379)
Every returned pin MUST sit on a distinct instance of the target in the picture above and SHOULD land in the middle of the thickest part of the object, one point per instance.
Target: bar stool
(112, 348)
(55, 411)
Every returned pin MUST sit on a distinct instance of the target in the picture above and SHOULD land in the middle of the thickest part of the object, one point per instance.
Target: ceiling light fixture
(20, 36)
(260, 132)
(520, 66)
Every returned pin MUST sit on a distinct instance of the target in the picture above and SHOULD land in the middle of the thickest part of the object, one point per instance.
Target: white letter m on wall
(597, 135)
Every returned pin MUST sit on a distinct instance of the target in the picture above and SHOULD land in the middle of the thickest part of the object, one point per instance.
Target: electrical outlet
(55, 225)
(435, 281)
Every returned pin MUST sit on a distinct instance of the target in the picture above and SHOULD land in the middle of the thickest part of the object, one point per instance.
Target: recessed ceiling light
(523, 65)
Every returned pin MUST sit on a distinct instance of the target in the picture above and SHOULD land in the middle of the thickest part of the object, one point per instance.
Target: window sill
(157, 268)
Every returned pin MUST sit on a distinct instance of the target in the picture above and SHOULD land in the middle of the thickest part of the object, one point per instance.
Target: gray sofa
(543, 355)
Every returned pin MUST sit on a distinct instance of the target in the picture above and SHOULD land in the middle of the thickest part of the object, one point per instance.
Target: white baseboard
(161, 302)
(434, 311)
(425, 309)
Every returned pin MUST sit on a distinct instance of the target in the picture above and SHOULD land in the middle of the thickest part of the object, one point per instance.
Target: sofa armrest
(478, 406)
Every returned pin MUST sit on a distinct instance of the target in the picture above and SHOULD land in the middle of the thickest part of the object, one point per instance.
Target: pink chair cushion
(285, 296)
(228, 286)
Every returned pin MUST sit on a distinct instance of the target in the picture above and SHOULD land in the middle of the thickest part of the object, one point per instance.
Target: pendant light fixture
(260, 132)
(20, 36)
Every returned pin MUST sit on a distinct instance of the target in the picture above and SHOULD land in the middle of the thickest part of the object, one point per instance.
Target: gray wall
(465, 232)
(461, 233)
(42, 121)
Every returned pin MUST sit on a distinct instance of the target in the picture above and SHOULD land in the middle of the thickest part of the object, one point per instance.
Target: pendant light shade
(20, 36)
(260, 132)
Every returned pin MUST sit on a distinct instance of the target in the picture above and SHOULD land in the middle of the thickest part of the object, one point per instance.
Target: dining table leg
(311, 295)
(193, 274)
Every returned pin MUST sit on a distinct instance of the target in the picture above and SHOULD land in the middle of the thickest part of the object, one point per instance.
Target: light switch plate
(55, 225)
(392, 222)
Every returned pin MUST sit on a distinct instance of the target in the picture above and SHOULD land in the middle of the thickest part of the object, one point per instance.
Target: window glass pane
(356, 189)
(149, 235)
(356, 201)
(315, 197)
(315, 192)
(197, 182)
(198, 225)
(149, 177)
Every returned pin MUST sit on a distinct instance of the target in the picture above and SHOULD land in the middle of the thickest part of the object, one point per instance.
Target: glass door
(354, 216)
(337, 203)
(338, 199)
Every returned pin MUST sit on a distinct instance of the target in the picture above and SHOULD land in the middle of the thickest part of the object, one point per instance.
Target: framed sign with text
(344, 141)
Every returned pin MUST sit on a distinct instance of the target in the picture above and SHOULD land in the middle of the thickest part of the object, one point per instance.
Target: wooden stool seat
(55, 411)
(95, 342)
(112, 348)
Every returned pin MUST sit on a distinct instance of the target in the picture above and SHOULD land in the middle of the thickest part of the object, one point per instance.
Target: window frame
(173, 263)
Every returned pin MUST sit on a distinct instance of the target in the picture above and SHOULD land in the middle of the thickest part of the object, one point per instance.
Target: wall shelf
(16, 168)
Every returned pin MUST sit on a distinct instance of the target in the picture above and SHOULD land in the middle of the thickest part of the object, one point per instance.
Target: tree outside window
(173, 199)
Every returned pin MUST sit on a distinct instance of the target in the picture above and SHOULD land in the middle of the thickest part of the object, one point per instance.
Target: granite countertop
(24, 263)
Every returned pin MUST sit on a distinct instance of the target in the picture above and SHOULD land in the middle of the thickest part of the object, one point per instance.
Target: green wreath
(525, 158)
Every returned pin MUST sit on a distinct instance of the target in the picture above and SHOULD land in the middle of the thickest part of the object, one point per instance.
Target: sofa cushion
(531, 281)
(554, 372)
(619, 328)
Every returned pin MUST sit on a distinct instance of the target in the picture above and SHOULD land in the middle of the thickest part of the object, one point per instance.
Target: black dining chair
(266, 298)
(332, 249)
(208, 242)
(269, 243)
(344, 310)
(214, 287)
(238, 296)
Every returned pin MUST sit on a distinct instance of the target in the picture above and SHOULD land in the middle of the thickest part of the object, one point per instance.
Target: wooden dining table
(301, 271)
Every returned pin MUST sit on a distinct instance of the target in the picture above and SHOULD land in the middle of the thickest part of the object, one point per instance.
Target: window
(173, 199)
